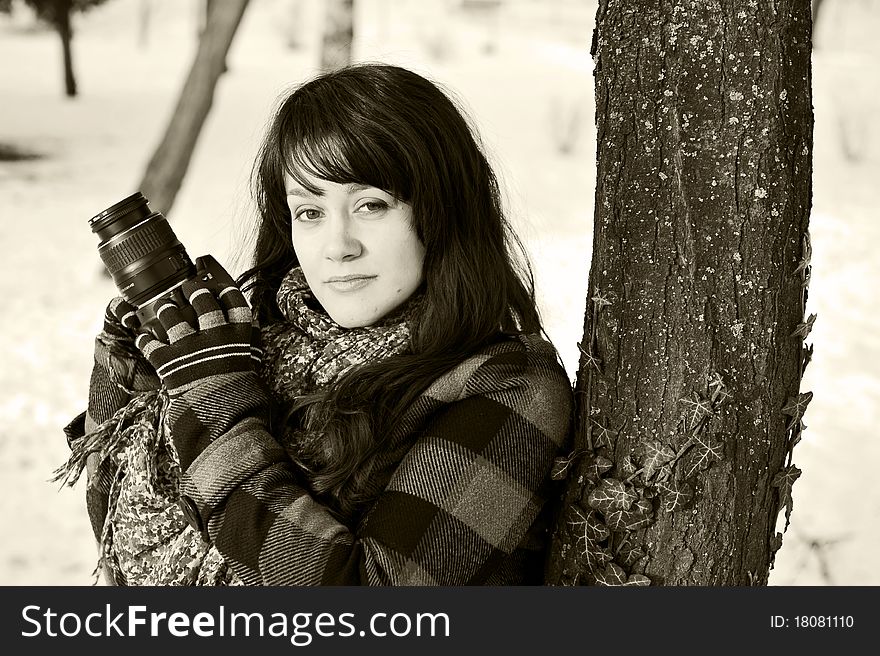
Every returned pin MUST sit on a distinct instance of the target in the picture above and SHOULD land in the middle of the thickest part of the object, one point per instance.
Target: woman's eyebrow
(352, 188)
(304, 193)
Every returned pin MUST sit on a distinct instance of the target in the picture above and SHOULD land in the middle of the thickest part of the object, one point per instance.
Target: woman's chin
(351, 319)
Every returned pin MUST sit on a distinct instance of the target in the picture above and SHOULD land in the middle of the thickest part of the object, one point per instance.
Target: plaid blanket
(461, 490)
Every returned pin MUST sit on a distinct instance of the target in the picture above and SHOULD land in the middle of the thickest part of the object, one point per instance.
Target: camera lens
(140, 250)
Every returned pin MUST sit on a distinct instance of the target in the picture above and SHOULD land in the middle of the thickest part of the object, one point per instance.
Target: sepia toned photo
(439, 292)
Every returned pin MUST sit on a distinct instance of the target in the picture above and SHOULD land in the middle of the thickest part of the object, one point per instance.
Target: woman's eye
(307, 214)
(372, 206)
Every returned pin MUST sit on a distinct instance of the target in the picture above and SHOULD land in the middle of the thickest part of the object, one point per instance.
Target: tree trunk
(338, 34)
(204, 10)
(65, 31)
(688, 390)
(169, 163)
(293, 25)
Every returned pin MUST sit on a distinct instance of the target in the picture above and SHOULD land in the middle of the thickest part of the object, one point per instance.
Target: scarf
(308, 351)
(146, 539)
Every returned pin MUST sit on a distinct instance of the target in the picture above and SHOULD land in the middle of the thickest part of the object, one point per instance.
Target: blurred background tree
(57, 14)
(218, 23)
(169, 163)
(338, 34)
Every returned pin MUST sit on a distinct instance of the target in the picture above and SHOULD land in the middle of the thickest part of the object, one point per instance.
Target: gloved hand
(121, 364)
(119, 371)
(209, 370)
(120, 328)
(120, 320)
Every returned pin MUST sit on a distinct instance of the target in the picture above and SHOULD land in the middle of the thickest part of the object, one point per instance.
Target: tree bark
(688, 403)
(65, 31)
(169, 163)
(338, 34)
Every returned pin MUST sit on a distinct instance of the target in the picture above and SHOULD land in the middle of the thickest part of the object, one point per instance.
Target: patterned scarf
(309, 350)
(146, 540)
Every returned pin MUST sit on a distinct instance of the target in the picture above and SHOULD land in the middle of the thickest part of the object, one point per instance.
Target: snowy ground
(526, 79)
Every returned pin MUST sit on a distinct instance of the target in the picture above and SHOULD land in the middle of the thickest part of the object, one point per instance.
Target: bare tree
(688, 399)
(61, 21)
(57, 13)
(338, 34)
(169, 163)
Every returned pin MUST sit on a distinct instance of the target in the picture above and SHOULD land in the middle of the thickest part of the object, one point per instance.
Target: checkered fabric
(462, 484)
(458, 492)
(118, 374)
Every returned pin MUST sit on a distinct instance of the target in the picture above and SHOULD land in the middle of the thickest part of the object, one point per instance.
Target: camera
(144, 258)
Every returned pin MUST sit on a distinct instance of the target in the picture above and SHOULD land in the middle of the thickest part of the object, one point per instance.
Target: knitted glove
(120, 331)
(120, 320)
(119, 371)
(210, 371)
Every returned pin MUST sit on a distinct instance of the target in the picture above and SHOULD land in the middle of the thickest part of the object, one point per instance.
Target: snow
(525, 77)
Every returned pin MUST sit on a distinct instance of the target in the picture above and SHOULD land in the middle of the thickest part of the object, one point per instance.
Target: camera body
(144, 258)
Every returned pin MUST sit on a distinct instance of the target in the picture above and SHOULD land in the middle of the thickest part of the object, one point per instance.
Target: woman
(401, 423)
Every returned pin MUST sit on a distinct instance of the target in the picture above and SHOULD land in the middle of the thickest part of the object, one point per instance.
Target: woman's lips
(349, 283)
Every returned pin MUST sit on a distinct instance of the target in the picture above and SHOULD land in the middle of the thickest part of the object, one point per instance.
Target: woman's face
(357, 248)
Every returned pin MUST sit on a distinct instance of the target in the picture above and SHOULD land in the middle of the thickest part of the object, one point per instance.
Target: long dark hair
(390, 128)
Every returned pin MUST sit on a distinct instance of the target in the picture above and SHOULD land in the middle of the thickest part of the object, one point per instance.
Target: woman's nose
(341, 243)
